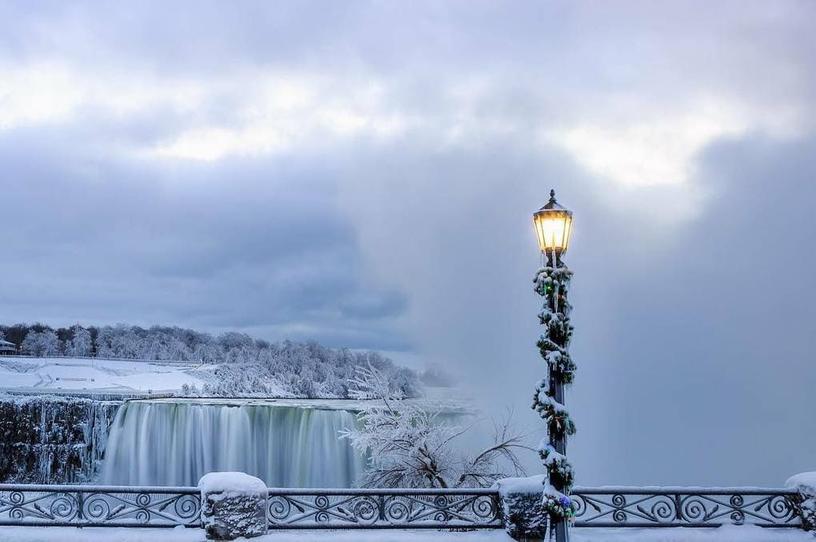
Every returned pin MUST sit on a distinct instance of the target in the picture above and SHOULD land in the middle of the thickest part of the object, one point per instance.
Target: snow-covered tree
(246, 366)
(126, 343)
(41, 343)
(80, 344)
(408, 444)
(104, 343)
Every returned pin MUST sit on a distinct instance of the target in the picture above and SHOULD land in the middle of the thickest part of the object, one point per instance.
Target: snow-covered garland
(552, 283)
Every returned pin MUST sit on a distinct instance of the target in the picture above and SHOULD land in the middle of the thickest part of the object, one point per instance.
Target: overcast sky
(363, 174)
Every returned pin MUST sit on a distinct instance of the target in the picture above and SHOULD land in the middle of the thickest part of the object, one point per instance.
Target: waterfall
(176, 442)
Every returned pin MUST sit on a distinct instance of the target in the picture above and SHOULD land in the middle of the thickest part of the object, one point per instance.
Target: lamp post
(553, 226)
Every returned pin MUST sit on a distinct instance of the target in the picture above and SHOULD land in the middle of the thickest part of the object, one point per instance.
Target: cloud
(679, 329)
(364, 174)
(718, 336)
(652, 148)
(632, 93)
(125, 241)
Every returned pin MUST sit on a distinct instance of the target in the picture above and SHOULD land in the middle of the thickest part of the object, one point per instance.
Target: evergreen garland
(559, 506)
(557, 464)
(552, 283)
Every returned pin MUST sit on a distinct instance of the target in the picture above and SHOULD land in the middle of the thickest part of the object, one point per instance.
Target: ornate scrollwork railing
(109, 506)
(387, 508)
(684, 507)
(115, 506)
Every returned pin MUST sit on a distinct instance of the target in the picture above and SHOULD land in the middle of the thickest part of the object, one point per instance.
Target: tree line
(245, 365)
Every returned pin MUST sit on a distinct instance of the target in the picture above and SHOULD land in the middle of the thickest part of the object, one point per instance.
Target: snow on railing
(378, 508)
(685, 507)
(106, 506)
(287, 508)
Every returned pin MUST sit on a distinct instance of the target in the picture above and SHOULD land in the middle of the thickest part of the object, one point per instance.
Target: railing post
(80, 498)
(678, 507)
(233, 505)
(523, 513)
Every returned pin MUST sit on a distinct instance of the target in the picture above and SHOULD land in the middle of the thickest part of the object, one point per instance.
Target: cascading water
(176, 442)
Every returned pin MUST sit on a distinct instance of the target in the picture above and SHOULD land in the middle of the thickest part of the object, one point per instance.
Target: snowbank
(802, 481)
(41, 375)
(101, 534)
(528, 484)
(726, 533)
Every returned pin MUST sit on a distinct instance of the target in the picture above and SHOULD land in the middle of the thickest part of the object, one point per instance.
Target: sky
(363, 174)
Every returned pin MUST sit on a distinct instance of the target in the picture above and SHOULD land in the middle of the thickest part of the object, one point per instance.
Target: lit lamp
(553, 226)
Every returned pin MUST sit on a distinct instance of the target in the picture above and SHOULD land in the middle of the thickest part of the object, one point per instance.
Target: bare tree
(409, 444)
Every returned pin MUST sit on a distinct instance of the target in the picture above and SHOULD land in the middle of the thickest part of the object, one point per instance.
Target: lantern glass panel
(553, 228)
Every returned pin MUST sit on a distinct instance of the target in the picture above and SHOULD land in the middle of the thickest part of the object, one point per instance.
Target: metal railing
(384, 508)
(685, 507)
(103, 506)
(287, 508)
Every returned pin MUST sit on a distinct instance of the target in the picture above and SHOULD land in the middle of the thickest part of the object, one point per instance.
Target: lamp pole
(553, 226)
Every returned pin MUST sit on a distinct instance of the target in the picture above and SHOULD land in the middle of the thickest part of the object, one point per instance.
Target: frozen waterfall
(176, 442)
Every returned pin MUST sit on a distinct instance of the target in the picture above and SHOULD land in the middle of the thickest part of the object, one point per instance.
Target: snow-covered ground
(91, 375)
(452, 406)
(103, 534)
(114, 376)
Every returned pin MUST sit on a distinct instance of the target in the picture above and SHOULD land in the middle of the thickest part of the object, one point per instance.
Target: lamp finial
(552, 196)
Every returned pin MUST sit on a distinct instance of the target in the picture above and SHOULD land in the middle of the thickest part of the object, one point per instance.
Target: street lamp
(553, 226)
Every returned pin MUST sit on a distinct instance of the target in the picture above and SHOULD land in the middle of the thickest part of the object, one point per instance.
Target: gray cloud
(723, 327)
(108, 239)
(694, 341)
(368, 176)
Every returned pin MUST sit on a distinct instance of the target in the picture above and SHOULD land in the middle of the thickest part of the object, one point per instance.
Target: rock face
(52, 439)
(233, 505)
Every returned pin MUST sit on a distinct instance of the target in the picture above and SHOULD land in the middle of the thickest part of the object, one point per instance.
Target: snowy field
(100, 534)
(91, 375)
(126, 377)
